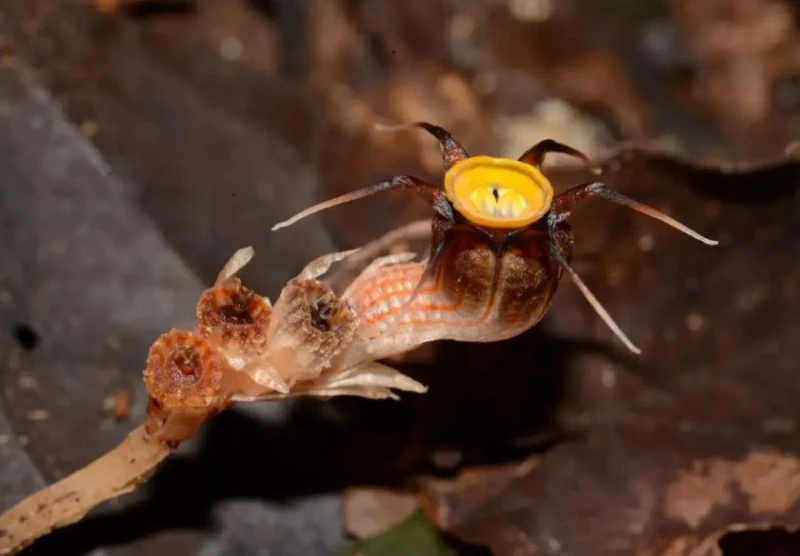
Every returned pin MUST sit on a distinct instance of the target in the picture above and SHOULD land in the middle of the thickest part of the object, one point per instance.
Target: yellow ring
(521, 193)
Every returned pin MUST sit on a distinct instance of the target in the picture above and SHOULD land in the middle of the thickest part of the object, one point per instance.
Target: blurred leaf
(639, 11)
(415, 536)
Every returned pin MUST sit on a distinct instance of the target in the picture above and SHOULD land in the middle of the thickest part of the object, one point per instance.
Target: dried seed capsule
(236, 315)
(311, 328)
(184, 378)
(184, 372)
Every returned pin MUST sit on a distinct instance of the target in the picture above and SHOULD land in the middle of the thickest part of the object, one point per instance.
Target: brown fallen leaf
(640, 489)
(115, 7)
(743, 49)
(367, 512)
(579, 70)
(448, 501)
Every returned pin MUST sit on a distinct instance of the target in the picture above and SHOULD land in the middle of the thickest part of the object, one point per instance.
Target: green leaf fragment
(416, 535)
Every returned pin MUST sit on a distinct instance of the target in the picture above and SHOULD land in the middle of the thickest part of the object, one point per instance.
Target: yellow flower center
(498, 192)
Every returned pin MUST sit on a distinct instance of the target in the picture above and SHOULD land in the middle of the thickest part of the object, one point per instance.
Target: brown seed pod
(185, 377)
(311, 328)
(500, 245)
(185, 373)
(236, 315)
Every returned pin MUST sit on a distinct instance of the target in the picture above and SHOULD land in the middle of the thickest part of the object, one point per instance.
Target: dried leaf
(368, 512)
(745, 53)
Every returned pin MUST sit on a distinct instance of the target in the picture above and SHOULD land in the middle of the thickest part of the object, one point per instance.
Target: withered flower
(184, 378)
(245, 350)
(235, 314)
(310, 330)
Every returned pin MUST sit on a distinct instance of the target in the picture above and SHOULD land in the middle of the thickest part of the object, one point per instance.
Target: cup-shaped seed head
(236, 315)
(185, 373)
(312, 324)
